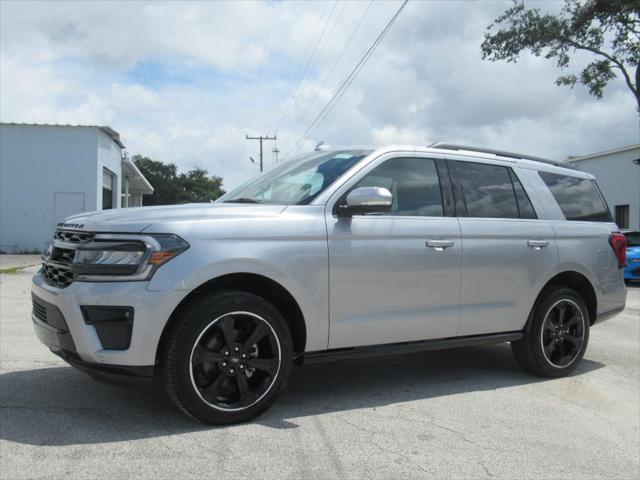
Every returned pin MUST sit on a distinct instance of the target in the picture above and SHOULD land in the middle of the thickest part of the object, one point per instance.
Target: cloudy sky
(184, 82)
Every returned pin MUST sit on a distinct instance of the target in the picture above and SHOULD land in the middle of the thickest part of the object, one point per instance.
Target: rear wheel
(227, 358)
(556, 335)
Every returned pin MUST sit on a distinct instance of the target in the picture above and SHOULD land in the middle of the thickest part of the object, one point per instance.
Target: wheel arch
(256, 284)
(578, 282)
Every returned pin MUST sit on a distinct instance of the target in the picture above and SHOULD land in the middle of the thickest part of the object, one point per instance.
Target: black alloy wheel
(562, 334)
(235, 360)
(556, 335)
(226, 357)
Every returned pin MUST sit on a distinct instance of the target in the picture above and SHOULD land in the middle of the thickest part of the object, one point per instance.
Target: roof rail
(501, 153)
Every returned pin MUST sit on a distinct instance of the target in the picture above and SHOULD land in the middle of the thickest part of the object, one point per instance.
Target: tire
(227, 357)
(556, 335)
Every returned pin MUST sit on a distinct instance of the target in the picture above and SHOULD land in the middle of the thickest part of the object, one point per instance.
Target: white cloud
(178, 80)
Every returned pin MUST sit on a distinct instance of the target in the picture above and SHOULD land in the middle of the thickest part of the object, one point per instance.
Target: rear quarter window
(578, 198)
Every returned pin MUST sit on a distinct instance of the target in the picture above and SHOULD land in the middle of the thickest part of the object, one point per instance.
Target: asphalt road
(469, 413)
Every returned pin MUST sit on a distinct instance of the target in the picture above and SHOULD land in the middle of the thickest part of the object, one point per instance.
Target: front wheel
(227, 357)
(556, 335)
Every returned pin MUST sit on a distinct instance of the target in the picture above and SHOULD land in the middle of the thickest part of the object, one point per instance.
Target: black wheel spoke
(562, 308)
(259, 332)
(213, 390)
(573, 320)
(572, 339)
(226, 325)
(244, 390)
(548, 349)
(202, 355)
(269, 365)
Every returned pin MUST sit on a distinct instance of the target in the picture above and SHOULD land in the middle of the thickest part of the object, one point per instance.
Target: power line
(262, 61)
(347, 81)
(306, 68)
(304, 55)
(335, 64)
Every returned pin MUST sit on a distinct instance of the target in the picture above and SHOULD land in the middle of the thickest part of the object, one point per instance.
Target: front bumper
(67, 334)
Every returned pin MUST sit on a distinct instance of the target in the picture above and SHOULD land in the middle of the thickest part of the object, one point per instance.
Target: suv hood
(140, 218)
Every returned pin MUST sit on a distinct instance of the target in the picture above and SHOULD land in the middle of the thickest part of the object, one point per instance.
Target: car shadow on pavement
(61, 406)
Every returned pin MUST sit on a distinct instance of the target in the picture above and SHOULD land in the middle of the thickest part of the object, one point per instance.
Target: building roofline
(605, 152)
(130, 164)
(113, 135)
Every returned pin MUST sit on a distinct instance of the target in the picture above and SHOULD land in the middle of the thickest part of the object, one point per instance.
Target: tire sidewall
(534, 332)
(200, 316)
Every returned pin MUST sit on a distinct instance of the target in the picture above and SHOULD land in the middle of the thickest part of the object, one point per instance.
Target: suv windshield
(296, 182)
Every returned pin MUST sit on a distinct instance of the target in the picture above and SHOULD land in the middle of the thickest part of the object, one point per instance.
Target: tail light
(619, 244)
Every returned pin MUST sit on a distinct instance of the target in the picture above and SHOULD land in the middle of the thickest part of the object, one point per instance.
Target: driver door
(395, 277)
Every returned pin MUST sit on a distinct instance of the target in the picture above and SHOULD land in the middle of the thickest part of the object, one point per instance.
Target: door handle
(439, 245)
(537, 244)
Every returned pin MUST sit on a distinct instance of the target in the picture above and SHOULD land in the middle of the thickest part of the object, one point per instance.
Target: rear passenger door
(507, 252)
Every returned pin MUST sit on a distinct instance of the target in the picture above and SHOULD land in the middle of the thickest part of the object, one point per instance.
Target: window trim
(512, 175)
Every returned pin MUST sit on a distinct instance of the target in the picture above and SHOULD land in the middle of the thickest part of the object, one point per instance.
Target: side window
(578, 198)
(524, 204)
(414, 184)
(487, 190)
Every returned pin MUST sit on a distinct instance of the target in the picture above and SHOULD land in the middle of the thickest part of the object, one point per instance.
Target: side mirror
(366, 200)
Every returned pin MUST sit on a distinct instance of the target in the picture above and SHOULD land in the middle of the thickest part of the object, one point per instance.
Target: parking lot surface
(468, 413)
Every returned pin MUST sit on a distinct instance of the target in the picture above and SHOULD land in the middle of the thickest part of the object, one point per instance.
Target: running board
(370, 351)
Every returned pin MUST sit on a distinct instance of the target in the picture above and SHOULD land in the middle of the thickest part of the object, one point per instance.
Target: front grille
(40, 311)
(63, 255)
(57, 275)
(72, 237)
(57, 268)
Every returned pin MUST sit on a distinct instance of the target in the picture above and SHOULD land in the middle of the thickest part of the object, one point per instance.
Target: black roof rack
(501, 153)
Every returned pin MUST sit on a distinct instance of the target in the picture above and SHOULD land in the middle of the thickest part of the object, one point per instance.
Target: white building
(48, 172)
(618, 174)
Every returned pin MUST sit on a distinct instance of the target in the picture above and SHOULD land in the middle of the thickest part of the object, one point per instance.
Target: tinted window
(487, 190)
(578, 198)
(525, 209)
(414, 184)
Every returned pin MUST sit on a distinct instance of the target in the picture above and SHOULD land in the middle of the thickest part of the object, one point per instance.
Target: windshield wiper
(242, 200)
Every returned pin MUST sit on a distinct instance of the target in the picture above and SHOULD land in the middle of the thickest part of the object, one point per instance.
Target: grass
(11, 270)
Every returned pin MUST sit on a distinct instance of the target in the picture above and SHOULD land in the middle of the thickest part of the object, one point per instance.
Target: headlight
(124, 257)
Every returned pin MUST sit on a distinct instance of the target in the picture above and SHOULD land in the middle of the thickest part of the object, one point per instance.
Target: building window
(108, 187)
(622, 216)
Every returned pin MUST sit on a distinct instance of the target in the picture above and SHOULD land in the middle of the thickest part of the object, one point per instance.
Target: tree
(171, 188)
(608, 29)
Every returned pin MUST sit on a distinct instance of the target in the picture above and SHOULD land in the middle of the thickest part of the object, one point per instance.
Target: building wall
(46, 174)
(619, 180)
(109, 157)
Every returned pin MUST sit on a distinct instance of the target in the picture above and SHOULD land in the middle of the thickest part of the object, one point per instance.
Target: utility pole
(261, 138)
(276, 151)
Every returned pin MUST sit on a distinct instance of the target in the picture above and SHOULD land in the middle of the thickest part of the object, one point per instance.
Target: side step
(369, 351)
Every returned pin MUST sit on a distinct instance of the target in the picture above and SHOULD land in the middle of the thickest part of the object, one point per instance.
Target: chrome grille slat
(56, 268)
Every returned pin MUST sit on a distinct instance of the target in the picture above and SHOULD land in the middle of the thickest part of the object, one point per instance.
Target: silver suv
(338, 254)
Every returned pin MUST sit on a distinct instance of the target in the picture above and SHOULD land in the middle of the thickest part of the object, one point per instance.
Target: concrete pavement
(469, 413)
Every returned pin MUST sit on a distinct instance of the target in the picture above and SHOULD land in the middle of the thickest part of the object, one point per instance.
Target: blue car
(632, 271)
